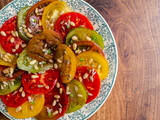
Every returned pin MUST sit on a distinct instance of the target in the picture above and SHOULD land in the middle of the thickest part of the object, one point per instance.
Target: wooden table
(135, 25)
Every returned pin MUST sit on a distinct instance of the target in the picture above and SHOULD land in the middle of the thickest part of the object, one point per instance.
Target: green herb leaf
(71, 95)
(81, 59)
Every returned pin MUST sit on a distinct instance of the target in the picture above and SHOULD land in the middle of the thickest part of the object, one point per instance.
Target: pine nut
(18, 109)
(75, 38)
(13, 33)
(80, 95)
(55, 113)
(54, 103)
(60, 110)
(33, 62)
(12, 40)
(72, 24)
(57, 96)
(29, 30)
(21, 89)
(23, 94)
(85, 75)
(80, 79)
(74, 46)
(34, 76)
(60, 90)
(55, 65)
(29, 35)
(17, 46)
(59, 60)
(88, 38)
(3, 33)
(58, 85)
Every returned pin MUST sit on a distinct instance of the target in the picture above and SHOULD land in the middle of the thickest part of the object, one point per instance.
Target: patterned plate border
(110, 51)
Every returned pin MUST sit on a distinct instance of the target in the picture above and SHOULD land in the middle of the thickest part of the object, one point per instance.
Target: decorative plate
(110, 51)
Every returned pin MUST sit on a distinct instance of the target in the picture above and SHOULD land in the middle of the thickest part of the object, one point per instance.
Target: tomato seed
(79, 95)
(88, 38)
(85, 75)
(12, 40)
(33, 62)
(3, 33)
(54, 103)
(57, 96)
(56, 112)
(18, 109)
(75, 38)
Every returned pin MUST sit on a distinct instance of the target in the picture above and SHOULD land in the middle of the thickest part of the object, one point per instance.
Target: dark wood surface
(135, 25)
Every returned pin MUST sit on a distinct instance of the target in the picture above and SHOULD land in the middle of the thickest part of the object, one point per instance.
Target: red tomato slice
(40, 83)
(10, 42)
(56, 101)
(88, 46)
(34, 15)
(91, 81)
(15, 98)
(71, 20)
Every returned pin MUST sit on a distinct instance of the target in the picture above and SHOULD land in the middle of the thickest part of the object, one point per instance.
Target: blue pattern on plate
(110, 51)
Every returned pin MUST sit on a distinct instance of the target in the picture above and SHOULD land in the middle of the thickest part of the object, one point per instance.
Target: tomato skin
(32, 15)
(63, 102)
(89, 44)
(92, 85)
(7, 27)
(43, 84)
(78, 19)
(15, 99)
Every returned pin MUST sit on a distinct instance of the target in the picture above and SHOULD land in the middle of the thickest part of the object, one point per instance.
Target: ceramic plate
(110, 51)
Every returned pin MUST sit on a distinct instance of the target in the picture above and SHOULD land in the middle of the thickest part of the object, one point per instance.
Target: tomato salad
(51, 61)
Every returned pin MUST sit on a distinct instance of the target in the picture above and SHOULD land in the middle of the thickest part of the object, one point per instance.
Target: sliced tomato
(56, 101)
(28, 109)
(86, 46)
(91, 80)
(40, 83)
(94, 60)
(10, 40)
(16, 98)
(34, 15)
(71, 20)
(52, 12)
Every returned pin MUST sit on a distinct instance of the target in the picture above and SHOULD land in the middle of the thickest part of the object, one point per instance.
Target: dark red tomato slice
(40, 83)
(71, 20)
(88, 46)
(90, 78)
(34, 16)
(9, 38)
(56, 103)
(15, 98)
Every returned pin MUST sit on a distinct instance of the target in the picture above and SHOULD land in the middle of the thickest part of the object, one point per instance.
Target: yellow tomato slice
(68, 62)
(94, 60)
(52, 12)
(29, 108)
(7, 59)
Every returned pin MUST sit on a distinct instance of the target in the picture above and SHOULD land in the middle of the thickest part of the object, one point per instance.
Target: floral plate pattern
(110, 51)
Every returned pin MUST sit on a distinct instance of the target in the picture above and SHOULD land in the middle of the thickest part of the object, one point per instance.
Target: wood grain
(135, 25)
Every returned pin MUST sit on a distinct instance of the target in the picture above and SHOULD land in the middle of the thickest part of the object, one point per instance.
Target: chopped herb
(32, 102)
(93, 37)
(44, 62)
(49, 114)
(81, 59)
(71, 95)
(49, 51)
(68, 26)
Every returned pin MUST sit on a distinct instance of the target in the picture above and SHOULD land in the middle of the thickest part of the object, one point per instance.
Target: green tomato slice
(9, 86)
(77, 95)
(84, 34)
(24, 63)
(21, 19)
